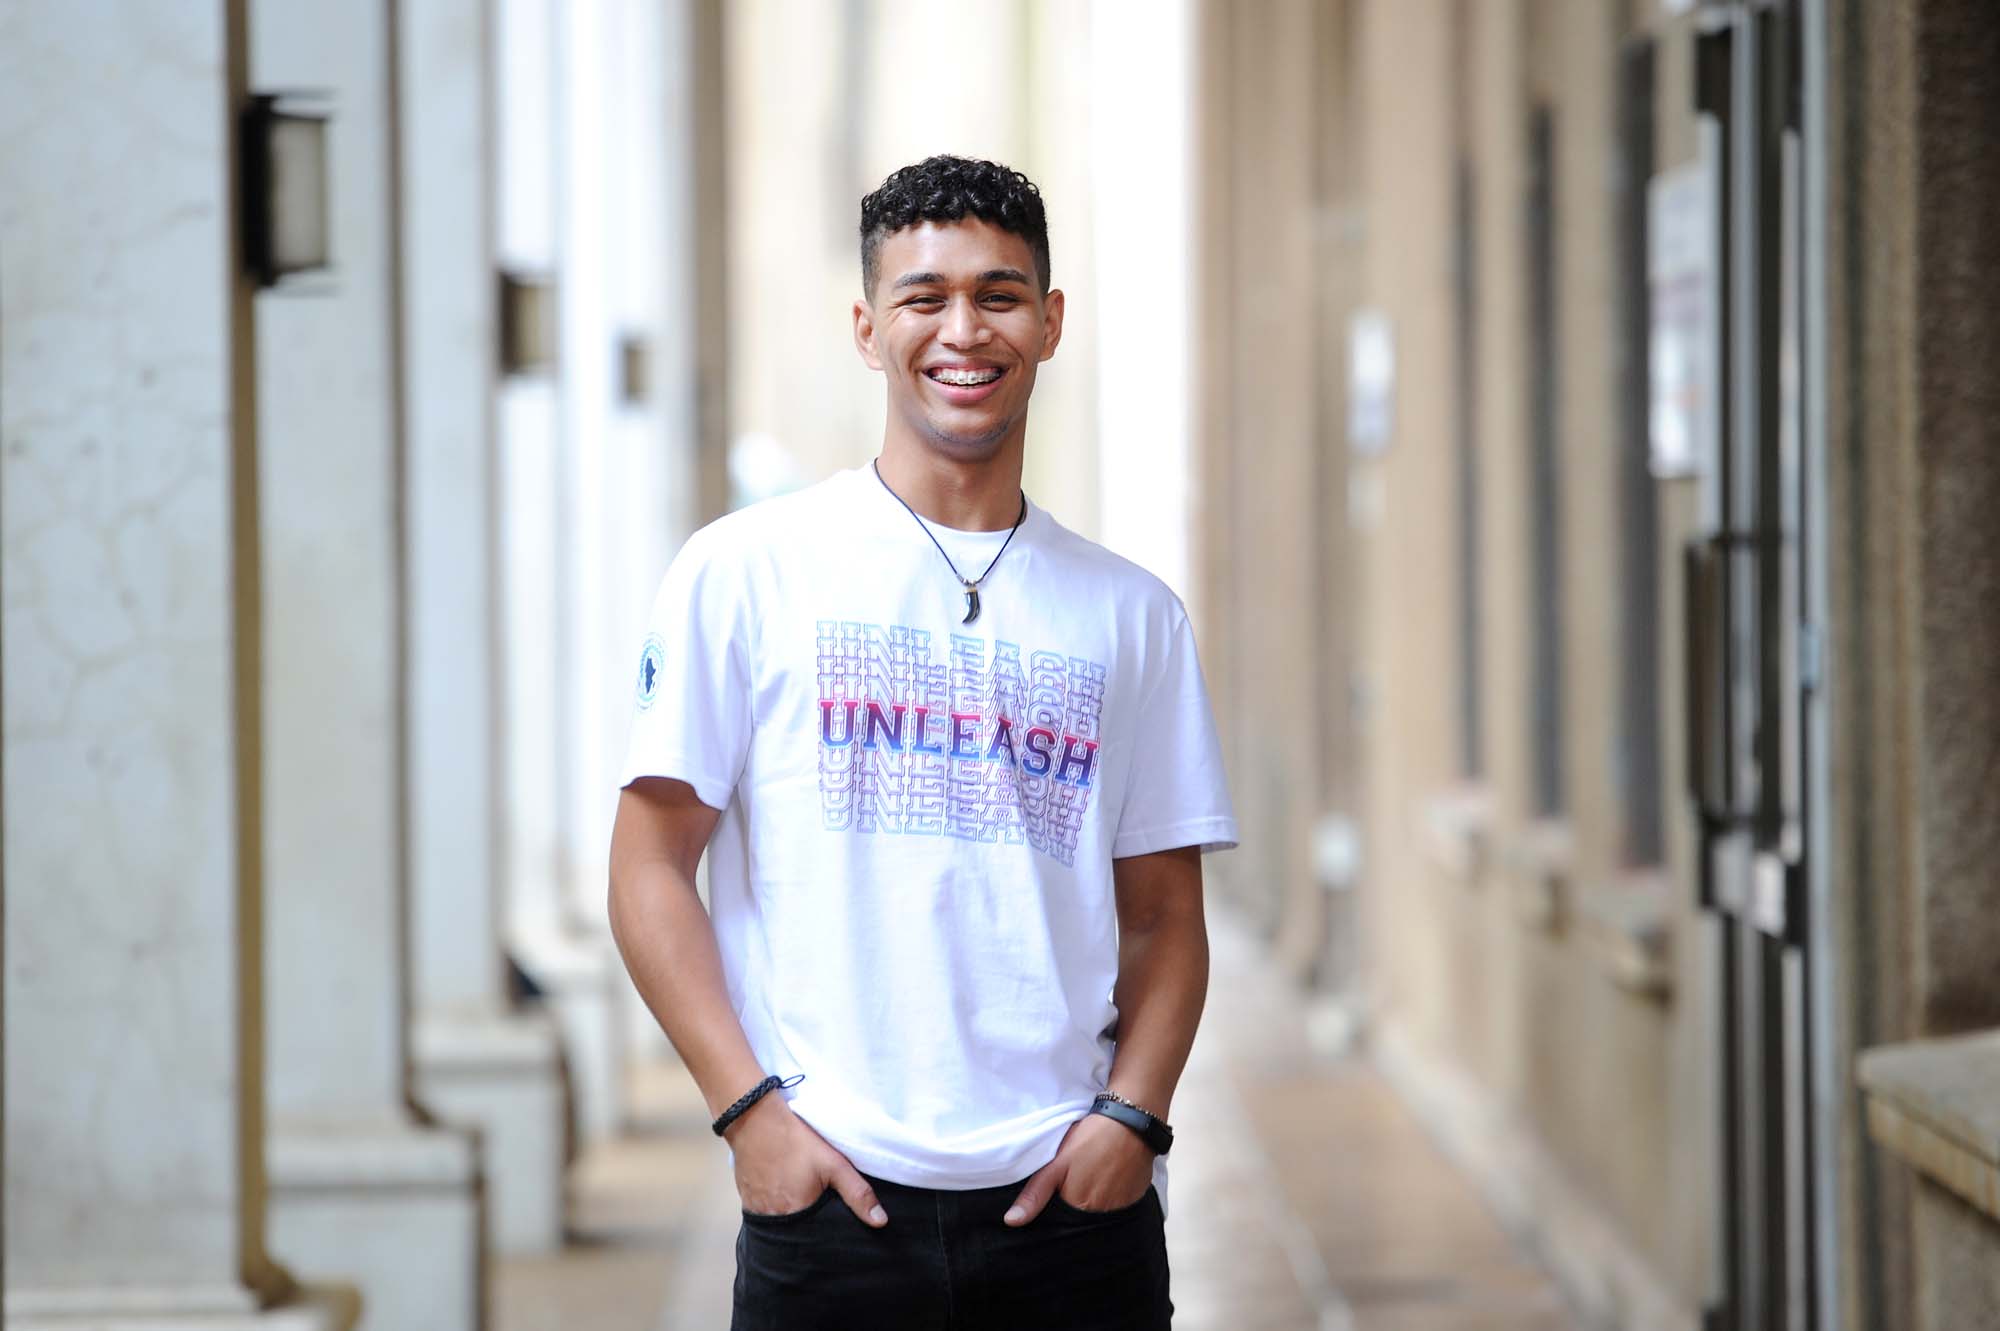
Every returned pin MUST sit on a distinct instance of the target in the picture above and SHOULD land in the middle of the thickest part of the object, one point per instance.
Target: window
(1465, 430)
(1545, 629)
(1637, 759)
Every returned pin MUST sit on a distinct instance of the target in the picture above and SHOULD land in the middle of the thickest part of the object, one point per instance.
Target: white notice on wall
(1371, 383)
(1680, 273)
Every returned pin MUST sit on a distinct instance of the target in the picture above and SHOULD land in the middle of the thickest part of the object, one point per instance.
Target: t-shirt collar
(865, 475)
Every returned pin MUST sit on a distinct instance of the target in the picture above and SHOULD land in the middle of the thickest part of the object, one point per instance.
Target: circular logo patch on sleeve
(651, 661)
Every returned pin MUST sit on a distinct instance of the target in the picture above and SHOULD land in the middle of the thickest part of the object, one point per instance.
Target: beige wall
(1468, 960)
(1912, 567)
(1502, 969)
(1266, 444)
(1568, 996)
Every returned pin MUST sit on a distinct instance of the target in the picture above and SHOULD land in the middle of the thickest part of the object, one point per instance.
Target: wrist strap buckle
(1159, 1138)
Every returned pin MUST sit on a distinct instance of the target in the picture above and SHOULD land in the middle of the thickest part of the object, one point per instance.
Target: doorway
(1756, 677)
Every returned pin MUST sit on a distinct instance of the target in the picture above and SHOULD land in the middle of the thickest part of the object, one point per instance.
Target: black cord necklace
(971, 584)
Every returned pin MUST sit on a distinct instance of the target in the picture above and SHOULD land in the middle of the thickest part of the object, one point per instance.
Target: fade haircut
(951, 189)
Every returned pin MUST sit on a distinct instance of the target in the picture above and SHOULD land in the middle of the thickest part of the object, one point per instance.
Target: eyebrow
(937, 279)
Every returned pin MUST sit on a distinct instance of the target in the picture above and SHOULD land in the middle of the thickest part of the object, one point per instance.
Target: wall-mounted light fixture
(287, 222)
(635, 369)
(527, 324)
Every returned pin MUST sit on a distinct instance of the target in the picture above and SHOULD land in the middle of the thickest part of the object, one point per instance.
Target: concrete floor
(1304, 1198)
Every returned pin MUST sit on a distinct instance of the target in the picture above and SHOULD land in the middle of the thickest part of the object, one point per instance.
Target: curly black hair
(950, 189)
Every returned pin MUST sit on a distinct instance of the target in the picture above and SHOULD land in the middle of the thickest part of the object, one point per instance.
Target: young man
(954, 767)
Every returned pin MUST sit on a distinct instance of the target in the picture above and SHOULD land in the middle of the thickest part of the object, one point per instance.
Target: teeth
(965, 378)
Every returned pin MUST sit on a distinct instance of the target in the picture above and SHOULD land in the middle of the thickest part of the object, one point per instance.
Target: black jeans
(947, 1262)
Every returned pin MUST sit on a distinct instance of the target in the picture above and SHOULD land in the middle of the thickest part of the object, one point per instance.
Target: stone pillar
(589, 135)
(1260, 338)
(477, 1061)
(575, 968)
(645, 483)
(134, 1094)
(640, 411)
(1142, 252)
(360, 1182)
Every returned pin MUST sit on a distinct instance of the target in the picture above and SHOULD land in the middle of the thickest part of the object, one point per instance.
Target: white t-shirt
(911, 879)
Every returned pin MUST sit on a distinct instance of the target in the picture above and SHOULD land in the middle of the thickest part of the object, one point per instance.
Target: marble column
(360, 1181)
(134, 1096)
(664, 115)
(574, 966)
(478, 1061)
(632, 401)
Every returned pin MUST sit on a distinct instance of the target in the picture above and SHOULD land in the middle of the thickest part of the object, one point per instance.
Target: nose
(963, 326)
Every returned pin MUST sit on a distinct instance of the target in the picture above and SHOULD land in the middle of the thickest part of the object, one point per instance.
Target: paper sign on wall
(1680, 275)
(1371, 383)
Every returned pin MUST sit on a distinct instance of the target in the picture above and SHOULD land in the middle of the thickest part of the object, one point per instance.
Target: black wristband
(751, 1097)
(1158, 1137)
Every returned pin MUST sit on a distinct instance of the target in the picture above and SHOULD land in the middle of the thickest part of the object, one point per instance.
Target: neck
(971, 495)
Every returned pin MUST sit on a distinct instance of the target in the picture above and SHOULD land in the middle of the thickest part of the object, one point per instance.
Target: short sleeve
(1177, 794)
(691, 685)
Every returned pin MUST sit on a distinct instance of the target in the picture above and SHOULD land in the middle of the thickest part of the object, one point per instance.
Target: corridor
(1568, 433)
(1304, 1198)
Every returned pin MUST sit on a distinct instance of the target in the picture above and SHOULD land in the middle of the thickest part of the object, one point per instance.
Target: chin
(963, 445)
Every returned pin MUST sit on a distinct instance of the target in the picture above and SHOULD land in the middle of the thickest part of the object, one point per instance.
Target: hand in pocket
(782, 1165)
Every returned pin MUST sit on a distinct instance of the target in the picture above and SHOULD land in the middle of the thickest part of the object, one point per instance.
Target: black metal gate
(1754, 673)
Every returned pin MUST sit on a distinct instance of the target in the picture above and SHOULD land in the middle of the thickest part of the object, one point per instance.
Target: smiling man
(954, 768)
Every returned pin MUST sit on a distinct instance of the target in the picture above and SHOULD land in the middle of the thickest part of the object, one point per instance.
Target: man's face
(957, 323)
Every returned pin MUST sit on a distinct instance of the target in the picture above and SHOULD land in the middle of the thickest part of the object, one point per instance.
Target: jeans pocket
(1147, 1199)
(806, 1212)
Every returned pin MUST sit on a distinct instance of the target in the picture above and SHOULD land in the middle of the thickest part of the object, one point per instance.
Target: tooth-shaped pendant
(971, 604)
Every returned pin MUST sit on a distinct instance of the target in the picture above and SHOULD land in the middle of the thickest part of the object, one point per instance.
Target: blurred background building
(1574, 425)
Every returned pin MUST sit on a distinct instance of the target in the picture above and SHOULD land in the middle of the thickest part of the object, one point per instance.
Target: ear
(1052, 322)
(864, 334)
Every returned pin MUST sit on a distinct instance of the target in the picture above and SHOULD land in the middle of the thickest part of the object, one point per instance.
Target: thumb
(1035, 1193)
(846, 1180)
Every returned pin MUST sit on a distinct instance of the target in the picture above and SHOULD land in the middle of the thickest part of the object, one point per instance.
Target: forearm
(668, 944)
(1162, 985)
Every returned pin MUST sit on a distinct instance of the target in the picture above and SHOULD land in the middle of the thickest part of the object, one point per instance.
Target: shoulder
(746, 537)
(1117, 580)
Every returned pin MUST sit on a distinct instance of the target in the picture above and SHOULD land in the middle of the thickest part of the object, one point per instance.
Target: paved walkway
(1304, 1198)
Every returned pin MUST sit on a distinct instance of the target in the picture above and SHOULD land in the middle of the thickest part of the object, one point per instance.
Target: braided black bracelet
(751, 1097)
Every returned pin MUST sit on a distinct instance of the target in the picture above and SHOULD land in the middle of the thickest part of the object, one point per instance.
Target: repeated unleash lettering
(989, 744)
(1041, 751)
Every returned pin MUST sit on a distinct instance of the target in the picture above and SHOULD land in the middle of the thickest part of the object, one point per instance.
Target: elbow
(1184, 927)
(618, 899)
(614, 906)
